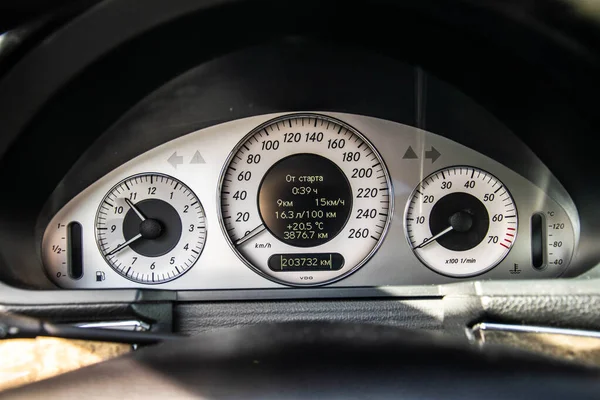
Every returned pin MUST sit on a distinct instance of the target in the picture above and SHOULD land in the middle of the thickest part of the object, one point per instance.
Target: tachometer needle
(434, 238)
(135, 209)
(250, 235)
(122, 246)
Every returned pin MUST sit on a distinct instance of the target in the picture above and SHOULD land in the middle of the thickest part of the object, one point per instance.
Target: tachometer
(305, 199)
(150, 228)
(461, 221)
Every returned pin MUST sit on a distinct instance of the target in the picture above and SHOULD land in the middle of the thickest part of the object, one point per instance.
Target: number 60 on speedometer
(305, 199)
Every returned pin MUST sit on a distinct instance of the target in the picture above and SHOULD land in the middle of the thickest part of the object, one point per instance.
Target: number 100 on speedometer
(305, 199)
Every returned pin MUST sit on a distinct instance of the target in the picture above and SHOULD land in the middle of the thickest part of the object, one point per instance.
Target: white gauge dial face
(461, 221)
(150, 228)
(305, 199)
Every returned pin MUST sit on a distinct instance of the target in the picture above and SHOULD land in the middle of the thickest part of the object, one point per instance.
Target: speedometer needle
(122, 246)
(135, 209)
(250, 235)
(434, 238)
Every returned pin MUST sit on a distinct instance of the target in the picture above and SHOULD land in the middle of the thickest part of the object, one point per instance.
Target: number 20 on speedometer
(305, 199)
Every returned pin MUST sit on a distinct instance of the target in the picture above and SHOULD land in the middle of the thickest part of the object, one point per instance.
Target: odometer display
(307, 185)
(306, 262)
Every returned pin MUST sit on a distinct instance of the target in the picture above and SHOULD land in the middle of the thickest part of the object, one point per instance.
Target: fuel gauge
(67, 250)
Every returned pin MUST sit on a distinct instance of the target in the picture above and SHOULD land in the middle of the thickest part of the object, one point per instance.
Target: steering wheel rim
(321, 360)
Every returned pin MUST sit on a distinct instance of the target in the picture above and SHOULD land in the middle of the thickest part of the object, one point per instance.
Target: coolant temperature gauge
(551, 240)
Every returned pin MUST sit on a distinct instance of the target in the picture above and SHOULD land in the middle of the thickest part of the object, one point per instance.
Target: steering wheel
(320, 360)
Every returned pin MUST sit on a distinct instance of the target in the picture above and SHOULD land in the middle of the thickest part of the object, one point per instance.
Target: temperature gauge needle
(434, 238)
(122, 246)
(135, 209)
(250, 235)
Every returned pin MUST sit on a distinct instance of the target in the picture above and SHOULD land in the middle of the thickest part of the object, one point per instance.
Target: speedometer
(305, 199)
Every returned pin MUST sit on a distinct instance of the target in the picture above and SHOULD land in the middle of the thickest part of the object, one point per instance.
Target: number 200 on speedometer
(305, 199)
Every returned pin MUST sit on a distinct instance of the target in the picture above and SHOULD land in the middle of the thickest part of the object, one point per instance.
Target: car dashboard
(295, 178)
(166, 162)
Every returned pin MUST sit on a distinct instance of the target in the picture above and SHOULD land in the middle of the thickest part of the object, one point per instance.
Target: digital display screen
(306, 262)
(305, 200)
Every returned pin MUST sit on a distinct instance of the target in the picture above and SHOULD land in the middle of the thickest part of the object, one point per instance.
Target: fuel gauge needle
(122, 246)
(250, 235)
(434, 238)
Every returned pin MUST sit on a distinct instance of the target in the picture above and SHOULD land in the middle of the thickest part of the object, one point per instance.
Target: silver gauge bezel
(426, 263)
(321, 117)
(111, 191)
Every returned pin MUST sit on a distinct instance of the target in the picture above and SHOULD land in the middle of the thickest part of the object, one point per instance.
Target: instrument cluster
(308, 199)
